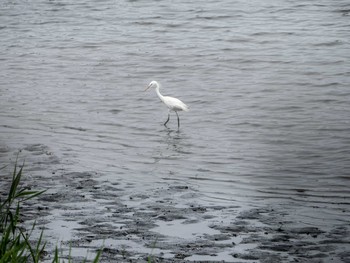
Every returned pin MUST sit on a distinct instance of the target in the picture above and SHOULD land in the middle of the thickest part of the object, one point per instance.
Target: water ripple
(269, 96)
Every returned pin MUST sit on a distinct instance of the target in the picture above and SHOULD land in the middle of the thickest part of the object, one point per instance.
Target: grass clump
(15, 244)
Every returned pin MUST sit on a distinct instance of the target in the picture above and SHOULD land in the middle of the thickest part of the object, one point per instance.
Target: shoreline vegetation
(17, 244)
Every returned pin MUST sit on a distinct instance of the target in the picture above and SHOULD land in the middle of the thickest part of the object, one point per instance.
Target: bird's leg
(178, 120)
(167, 119)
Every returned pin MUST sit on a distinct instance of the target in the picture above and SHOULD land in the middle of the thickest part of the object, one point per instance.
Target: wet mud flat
(167, 223)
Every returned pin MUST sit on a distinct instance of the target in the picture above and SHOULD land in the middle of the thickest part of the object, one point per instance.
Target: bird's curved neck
(158, 93)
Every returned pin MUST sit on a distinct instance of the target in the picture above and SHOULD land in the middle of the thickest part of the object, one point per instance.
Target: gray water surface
(267, 83)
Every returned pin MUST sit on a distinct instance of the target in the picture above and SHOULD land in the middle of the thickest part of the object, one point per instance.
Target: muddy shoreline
(169, 223)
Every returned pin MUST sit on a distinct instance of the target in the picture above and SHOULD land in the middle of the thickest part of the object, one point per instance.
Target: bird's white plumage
(173, 104)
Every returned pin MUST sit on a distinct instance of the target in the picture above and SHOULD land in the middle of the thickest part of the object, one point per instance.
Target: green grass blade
(15, 181)
(40, 247)
(55, 259)
(98, 255)
(29, 247)
(27, 195)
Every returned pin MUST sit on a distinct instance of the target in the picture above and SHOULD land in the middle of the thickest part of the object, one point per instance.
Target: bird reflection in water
(171, 146)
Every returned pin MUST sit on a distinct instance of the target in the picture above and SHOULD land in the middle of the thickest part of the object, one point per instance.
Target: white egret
(173, 104)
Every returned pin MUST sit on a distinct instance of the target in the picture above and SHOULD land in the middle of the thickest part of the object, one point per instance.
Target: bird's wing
(175, 104)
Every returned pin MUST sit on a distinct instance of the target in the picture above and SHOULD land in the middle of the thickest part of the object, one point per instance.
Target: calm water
(268, 84)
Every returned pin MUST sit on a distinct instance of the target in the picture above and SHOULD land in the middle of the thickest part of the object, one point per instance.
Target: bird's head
(153, 84)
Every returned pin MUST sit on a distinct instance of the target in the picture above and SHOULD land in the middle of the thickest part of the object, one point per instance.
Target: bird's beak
(147, 87)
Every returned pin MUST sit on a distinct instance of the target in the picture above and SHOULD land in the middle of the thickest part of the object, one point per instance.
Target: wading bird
(173, 104)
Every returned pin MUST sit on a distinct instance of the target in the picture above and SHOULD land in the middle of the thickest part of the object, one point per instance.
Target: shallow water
(267, 83)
